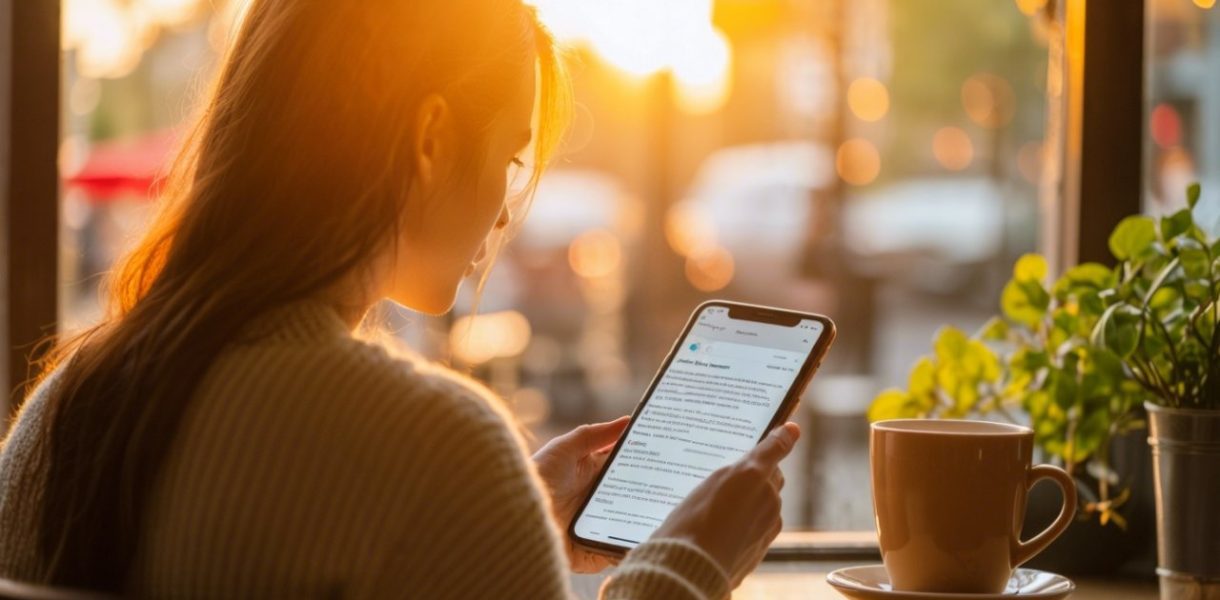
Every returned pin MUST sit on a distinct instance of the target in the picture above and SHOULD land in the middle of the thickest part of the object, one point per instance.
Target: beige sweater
(311, 464)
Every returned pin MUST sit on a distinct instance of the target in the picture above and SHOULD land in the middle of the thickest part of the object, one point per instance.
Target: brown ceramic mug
(949, 497)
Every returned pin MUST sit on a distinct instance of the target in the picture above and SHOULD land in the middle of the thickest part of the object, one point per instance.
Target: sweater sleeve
(667, 568)
(484, 527)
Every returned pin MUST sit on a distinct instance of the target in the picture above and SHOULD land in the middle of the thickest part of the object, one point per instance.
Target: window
(1183, 122)
(820, 155)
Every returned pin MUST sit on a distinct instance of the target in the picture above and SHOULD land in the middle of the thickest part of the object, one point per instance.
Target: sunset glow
(644, 37)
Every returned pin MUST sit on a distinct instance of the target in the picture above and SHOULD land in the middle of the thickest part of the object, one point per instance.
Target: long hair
(292, 179)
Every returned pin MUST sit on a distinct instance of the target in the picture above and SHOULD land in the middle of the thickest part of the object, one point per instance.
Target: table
(807, 581)
(795, 580)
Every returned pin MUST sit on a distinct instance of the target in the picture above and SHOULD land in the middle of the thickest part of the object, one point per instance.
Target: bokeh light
(109, 37)
(952, 148)
(172, 12)
(477, 339)
(710, 269)
(858, 161)
(868, 99)
(530, 406)
(1205, 3)
(1165, 126)
(595, 253)
(687, 231)
(1029, 161)
(703, 72)
(106, 37)
(644, 37)
(988, 100)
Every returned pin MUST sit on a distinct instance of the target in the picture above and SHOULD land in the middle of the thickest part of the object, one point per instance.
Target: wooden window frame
(29, 184)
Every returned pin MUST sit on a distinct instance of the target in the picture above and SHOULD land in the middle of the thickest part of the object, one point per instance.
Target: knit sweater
(312, 464)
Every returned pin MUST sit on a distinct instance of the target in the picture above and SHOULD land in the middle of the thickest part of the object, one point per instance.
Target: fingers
(777, 444)
(777, 480)
(587, 439)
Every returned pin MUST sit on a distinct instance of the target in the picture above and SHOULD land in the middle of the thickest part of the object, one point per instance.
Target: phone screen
(724, 385)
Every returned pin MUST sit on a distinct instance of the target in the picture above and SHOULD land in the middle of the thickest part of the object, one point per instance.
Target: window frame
(29, 186)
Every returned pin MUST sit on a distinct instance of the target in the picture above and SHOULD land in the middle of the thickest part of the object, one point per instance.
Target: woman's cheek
(491, 198)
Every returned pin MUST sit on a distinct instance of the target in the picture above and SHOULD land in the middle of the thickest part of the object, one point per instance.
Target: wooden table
(807, 581)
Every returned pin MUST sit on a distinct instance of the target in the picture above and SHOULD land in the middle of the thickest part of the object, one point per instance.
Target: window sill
(824, 546)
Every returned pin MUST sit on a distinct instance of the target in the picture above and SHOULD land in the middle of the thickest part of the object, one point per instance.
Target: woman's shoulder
(408, 374)
(364, 379)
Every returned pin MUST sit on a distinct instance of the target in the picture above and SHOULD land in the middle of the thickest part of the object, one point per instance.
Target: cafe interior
(1008, 209)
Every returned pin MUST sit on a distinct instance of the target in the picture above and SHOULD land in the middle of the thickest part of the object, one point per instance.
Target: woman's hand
(568, 465)
(734, 514)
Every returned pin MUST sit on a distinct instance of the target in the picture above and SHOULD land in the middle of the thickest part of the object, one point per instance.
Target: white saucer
(871, 582)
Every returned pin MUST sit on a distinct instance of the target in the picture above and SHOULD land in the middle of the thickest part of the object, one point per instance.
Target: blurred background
(878, 161)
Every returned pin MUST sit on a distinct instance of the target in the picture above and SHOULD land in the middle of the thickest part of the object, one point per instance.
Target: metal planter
(1186, 454)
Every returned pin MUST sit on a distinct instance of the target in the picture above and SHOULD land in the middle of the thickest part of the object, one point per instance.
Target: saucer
(871, 582)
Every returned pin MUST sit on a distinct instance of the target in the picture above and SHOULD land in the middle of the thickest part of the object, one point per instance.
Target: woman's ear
(432, 124)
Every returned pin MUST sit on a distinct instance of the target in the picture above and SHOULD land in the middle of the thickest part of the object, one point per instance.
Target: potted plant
(1085, 357)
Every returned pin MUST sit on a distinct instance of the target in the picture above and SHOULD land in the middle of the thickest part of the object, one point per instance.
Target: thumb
(777, 444)
(587, 439)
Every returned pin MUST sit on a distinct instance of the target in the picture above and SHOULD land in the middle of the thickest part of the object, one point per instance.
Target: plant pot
(1186, 454)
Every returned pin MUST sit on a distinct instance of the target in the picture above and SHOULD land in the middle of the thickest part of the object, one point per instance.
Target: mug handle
(1027, 550)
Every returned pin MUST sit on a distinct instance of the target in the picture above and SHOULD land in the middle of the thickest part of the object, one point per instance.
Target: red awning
(129, 166)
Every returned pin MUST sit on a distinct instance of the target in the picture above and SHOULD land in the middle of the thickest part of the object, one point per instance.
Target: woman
(223, 434)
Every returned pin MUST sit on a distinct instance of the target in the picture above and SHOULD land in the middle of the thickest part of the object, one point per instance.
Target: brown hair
(292, 179)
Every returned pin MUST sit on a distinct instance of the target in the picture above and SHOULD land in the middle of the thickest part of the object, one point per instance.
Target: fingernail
(788, 431)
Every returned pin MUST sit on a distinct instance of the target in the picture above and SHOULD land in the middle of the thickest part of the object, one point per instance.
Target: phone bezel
(737, 310)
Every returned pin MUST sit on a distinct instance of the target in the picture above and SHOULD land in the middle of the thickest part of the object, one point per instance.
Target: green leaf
(964, 400)
(1163, 298)
(1065, 322)
(1117, 330)
(1196, 233)
(893, 404)
(950, 344)
(922, 380)
(1024, 302)
(1193, 191)
(1198, 291)
(1122, 334)
(1108, 364)
(1195, 262)
(1030, 267)
(1091, 305)
(1133, 238)
(1085, 279)
(1091, 432)
(988, 364)
(1176, 224)
(1095, 388)
(1154, 345)
(1029, 359)
(1160, 278)
(995, 330)
(1063, 388)
(1091, 274)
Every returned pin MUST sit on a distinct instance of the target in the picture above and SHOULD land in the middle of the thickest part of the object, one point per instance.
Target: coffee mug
(949, 497)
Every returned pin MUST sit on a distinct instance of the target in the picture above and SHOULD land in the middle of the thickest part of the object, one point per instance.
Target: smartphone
(736, 371)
